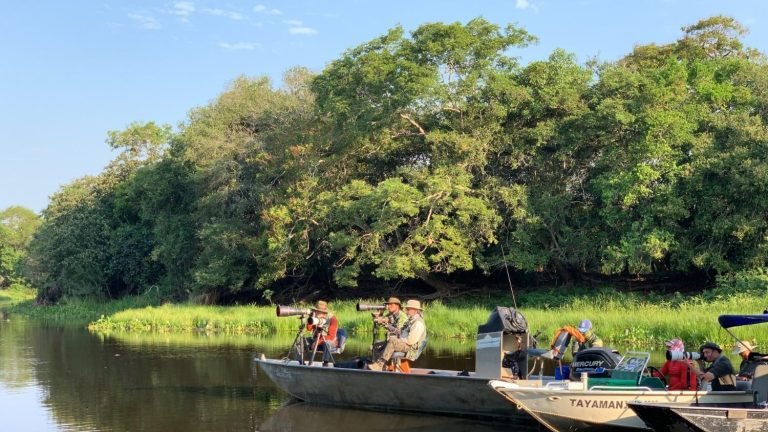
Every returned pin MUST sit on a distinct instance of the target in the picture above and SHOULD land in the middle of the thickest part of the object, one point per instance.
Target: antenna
(509, 278)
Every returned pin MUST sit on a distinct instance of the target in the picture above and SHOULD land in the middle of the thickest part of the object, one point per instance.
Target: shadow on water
(298, 416)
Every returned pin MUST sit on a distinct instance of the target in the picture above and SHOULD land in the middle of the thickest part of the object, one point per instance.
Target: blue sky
(72, 70)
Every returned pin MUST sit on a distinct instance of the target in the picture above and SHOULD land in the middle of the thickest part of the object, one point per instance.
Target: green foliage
(428, 157)
(17, 226)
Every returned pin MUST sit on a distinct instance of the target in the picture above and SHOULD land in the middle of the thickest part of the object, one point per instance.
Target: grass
(15, 294)
(636, 320)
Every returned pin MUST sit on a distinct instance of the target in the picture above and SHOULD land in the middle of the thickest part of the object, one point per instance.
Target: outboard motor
(596, 362)
(502, 345)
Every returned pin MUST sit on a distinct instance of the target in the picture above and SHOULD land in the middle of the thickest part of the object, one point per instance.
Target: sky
(72, 70)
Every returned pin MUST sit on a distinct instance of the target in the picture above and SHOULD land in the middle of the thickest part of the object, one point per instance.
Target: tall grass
(640, 320)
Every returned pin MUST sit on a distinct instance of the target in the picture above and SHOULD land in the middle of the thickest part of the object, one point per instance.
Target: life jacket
(562, 338)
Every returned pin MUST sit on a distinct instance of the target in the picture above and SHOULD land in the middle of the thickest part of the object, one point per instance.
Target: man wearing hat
(324, 333)
(720, 372)
(749, 359)
(393, 320)
(411, 337)
(590, 338)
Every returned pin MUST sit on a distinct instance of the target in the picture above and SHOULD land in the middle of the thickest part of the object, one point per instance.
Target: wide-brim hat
(320, 306)
(740, 347)
(393, 300)
(712, 346)
(413, 304)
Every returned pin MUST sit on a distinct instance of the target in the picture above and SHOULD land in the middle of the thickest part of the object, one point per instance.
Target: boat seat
(760, 383)
(398, 362)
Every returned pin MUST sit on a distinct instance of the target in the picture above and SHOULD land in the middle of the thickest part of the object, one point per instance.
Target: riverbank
(627, 319)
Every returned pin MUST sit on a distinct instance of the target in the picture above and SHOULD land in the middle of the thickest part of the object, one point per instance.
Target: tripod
(298, 343)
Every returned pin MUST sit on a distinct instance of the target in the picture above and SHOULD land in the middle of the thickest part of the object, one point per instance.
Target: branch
(413, 122)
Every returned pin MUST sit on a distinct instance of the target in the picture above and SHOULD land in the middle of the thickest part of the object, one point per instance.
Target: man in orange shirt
(324, 326)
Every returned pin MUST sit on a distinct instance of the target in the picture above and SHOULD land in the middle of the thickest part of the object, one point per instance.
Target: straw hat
(413, 304)
(320, 306)
(740, 347)
(393, 300)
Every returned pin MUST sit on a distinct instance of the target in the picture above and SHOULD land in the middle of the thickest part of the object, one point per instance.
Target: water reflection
(58, 378)
(305, 417)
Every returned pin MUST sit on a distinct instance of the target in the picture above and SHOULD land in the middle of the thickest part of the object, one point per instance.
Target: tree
(17, 226)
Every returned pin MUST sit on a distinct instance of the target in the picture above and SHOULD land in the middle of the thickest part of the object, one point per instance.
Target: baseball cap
(585, 325)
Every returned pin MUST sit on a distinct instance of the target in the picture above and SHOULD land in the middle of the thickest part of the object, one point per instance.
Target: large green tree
(17, 226)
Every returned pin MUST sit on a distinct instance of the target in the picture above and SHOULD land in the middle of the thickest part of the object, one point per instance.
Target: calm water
(55, 378)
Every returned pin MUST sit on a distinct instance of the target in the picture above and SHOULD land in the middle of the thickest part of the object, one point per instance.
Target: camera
(362, 307)
(284, 311)
(316, 321)
(683, 355)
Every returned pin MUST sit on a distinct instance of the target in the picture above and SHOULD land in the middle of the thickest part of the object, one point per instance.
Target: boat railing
(613, 388)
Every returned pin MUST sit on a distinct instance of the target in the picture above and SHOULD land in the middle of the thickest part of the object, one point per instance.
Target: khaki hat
(740, 347)
(393, 300)
(320, 306)
(413, 304)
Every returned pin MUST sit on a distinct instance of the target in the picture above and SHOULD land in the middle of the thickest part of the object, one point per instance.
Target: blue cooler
(562, 372)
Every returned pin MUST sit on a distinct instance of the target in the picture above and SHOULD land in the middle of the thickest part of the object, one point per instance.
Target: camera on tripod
(284, 311)
(320, 323)
(362, 307)
(683, 355)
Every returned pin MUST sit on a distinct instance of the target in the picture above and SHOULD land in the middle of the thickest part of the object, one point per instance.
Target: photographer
(324, 332)
(749, 359)
(720, 372)
(680, 374)
(393, 321)
(412, 336)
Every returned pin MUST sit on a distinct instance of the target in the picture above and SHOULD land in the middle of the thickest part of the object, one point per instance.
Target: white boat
(673, 417)
(603, 402)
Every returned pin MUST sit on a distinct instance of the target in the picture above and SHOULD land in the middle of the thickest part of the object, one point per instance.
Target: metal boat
(604, 402)
(502, 346)
(753, 417)
(693, 418)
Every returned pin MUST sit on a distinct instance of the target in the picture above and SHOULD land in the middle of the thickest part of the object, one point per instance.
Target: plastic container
(562, 373)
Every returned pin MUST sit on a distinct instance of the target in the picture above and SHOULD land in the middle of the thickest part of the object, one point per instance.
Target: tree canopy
(432, 157)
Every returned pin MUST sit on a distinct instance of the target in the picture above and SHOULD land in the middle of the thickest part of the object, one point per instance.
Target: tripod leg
(298, 344)
(314, 350)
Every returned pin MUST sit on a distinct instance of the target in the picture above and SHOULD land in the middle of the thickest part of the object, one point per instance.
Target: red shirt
(333, 326)
(679, 373)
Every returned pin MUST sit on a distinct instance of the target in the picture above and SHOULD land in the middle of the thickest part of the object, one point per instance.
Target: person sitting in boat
(749, 359)
(393, 321)
(590, 338)
(720, 372)
(411, 337)
(324, 326)
(679, 370)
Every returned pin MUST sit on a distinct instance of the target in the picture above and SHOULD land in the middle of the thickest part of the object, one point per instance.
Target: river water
(60, 378)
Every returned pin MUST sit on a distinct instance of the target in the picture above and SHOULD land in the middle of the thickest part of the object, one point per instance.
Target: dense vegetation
(432, 158)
